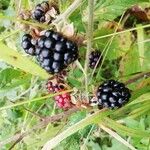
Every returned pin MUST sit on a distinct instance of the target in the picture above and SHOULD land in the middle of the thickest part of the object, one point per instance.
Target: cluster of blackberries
(54, 52)
(40, 12)
(112, 94)
(94, 59)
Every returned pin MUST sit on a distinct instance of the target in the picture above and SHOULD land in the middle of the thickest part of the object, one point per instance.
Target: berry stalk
(89, 41)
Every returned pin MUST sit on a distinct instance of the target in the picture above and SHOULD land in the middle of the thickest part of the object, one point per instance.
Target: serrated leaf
(15, 59)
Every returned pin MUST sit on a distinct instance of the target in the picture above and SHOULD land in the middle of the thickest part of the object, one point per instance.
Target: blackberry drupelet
(55, 52)
(28, 44)
(93, 59)
(112, 94)
(40, 11)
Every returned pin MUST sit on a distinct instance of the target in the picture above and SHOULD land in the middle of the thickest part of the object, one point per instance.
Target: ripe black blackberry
(40, 11)
(112, 94)
(28, 44)
(45, 12)
(55, 52)
(93, 59)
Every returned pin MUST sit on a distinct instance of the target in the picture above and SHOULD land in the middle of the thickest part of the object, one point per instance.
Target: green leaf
(125, 130)
(109, 10)
(77, 73)
(74, 82)
(119, 46)
(9, 74)
(130, 63)
(15, 59)
(15, 84)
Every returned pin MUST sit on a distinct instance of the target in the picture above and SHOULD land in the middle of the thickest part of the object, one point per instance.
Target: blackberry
(112, 94)
(28, 44)
(63, 101)
(55, 52)
(45, 12)
(93, 59)
(54, 86)
(40, 11)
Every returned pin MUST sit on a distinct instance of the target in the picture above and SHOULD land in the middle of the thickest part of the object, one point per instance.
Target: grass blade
(15, 59)
(143, 98)
(140, 35)
(124, 130)
(33, 100)
(117, 137)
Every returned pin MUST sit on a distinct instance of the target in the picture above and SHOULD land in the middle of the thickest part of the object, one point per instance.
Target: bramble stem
(45, 122)
(68, 12)
(138, 77)
(89, 40)
(121, 32)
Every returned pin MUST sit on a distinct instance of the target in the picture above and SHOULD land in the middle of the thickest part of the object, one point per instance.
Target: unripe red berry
(63, 101)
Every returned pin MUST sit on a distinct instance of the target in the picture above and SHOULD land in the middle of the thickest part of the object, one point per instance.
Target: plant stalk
(68, 12)
(89, 41)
